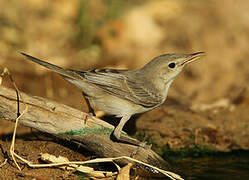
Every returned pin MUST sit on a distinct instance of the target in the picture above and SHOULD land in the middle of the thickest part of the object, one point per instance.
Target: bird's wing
(118, 83)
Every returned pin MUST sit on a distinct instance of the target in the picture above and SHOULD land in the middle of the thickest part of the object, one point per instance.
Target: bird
(124, 93)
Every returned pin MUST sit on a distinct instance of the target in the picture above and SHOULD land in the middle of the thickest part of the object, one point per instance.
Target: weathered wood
(73, 125)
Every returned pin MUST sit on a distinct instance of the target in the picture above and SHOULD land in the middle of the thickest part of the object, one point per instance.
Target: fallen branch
(73, 125)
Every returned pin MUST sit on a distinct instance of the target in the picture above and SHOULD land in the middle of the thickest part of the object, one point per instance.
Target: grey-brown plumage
(126, 92)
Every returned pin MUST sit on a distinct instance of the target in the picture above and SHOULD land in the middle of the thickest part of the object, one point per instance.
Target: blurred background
(82, 34)
(87, 34)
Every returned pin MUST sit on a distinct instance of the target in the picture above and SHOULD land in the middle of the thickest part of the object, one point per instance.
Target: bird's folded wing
(119, 84)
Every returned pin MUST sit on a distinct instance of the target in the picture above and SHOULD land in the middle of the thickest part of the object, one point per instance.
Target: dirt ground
(29, 145)
(208, 103)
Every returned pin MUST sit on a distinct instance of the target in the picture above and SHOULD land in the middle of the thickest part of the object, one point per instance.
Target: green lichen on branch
(86, 131)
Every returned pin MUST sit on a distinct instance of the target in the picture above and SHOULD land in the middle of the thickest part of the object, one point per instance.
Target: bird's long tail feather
(64, 72)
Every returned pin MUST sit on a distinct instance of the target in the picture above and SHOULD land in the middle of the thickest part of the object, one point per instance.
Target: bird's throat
(167, 86)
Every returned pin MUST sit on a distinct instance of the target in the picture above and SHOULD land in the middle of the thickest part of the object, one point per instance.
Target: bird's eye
(172, 65)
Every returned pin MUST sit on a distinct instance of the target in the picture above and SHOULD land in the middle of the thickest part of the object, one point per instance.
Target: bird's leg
(90, 109)
(120, 137)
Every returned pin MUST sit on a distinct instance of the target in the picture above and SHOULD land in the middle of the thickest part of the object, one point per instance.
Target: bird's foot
(145, 145)
(87, 116)
(134, 142)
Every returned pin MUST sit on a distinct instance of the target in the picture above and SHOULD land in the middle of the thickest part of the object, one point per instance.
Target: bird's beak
(193, 57)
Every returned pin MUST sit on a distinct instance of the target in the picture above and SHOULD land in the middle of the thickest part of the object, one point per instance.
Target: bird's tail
(64, 72)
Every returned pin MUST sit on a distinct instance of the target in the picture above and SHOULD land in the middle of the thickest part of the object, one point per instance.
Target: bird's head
(168, 66)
